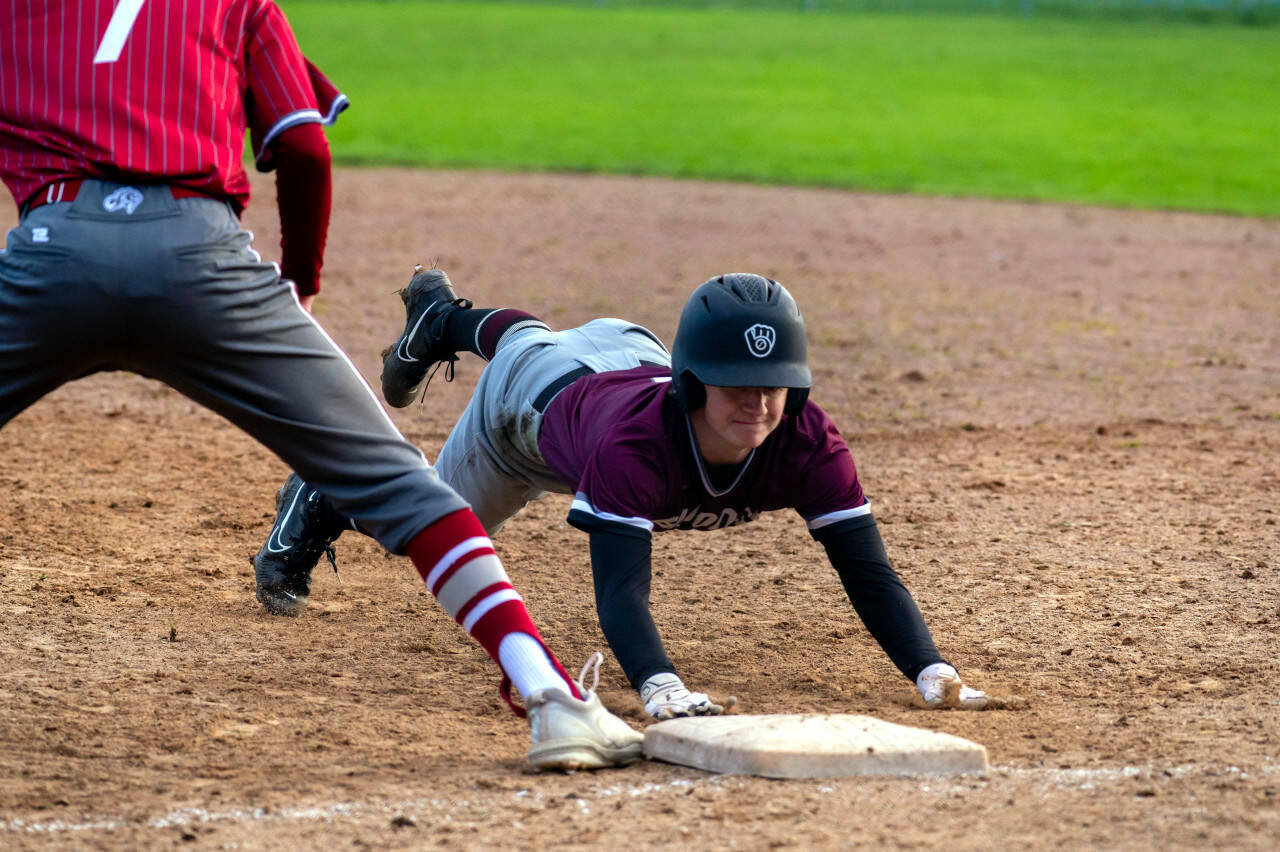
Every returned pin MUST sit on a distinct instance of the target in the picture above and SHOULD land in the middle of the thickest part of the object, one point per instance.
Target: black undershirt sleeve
(620, 566)
(877, 594)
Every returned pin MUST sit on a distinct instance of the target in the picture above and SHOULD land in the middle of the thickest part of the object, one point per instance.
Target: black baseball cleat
(306, 527)
(428, 301)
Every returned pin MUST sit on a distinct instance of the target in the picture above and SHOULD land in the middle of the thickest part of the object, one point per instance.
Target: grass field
(1246, 12)
(1161, 115)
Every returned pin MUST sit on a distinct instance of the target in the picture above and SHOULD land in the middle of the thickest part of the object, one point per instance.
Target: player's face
(736, 420)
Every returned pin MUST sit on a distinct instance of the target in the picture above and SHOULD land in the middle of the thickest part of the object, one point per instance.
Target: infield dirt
(1067, 420)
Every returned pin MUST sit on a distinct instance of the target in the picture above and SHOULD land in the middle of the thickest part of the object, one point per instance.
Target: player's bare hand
(665, 697)
(941, 687)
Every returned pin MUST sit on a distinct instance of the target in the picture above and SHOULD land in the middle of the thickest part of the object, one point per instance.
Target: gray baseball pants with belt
(491, 457)
(171, 289)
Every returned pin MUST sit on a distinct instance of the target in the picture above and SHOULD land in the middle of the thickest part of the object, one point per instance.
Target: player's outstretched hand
(941, 687)
(666, 697)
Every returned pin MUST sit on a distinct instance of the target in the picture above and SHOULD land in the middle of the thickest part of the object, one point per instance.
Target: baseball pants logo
(760, 339)
(126, 198)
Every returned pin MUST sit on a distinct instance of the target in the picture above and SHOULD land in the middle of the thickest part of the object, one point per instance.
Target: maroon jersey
(620, 441)
(133, 91)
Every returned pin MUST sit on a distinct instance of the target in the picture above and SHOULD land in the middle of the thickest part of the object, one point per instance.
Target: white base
(810, 746)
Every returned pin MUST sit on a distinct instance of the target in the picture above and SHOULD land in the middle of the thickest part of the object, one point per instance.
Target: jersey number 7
(118, 29)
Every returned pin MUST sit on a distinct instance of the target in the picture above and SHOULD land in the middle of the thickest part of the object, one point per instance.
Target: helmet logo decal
(760, 339)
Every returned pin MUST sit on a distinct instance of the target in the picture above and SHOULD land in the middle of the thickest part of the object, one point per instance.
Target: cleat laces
(593, 665)
(312, 543)
(447, 362)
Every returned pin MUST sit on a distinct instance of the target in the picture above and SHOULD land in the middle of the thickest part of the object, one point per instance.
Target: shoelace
(299, 563)
(593, 664)
(325, 547)
(447, 362)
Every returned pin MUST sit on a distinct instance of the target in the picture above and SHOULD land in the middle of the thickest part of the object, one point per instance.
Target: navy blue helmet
(740, 330)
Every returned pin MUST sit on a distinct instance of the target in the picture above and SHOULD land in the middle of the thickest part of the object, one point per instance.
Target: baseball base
(810, 746)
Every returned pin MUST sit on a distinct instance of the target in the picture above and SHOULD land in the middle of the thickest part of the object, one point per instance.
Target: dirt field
(1067, 419)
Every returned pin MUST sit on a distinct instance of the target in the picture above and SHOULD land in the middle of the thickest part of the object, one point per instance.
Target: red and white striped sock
(457, 561)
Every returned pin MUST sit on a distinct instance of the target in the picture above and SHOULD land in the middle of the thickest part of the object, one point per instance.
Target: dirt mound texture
(1067, 420)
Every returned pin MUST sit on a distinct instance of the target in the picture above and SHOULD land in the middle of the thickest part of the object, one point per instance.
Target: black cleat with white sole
(306, 527)
(428, 301)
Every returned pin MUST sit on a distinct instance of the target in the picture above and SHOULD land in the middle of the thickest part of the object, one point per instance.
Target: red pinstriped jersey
(149, 90)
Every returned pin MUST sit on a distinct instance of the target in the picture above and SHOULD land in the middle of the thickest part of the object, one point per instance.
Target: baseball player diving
(122, 126)
(707, 436)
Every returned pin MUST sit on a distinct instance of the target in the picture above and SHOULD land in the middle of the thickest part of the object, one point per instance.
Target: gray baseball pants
(171, 289)
(491, 457)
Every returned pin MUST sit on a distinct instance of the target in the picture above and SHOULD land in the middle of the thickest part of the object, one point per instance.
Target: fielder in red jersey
(170, 109)
(122, 129)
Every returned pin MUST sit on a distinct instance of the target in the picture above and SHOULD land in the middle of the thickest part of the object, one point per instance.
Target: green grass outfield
(1156, 114)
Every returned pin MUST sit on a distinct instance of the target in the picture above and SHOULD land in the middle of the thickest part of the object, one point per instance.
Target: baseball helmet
(740, 330)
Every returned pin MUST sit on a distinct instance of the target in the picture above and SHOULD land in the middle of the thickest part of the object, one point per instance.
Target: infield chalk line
(1080, 779)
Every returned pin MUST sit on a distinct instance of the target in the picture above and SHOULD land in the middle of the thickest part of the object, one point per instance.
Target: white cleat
(569, 734)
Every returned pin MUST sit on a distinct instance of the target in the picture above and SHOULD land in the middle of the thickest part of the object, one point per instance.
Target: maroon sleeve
(330, 104)
(304, 196)
(279, 92)
(287, 101)
(328, 98)
(823, 480)
(622, 483)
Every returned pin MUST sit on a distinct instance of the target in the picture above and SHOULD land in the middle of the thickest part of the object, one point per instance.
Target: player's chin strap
(592, 664)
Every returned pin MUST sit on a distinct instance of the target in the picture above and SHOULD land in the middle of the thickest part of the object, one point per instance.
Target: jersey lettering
(695, 519)
(631, 460)
(118, 29)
